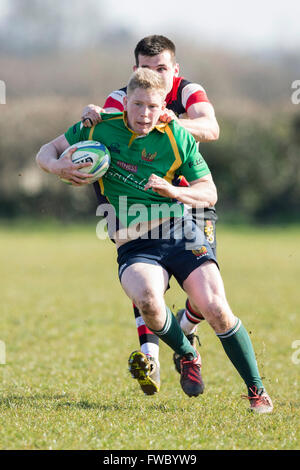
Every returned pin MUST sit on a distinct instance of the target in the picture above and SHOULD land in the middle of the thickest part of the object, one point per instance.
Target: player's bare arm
(91, 115)
(47, 159)
(201, 122)
(201, 192)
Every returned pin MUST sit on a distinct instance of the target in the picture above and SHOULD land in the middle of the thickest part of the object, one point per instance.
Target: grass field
(68, 329)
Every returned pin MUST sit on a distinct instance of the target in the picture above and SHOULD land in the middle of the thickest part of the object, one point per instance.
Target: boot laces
(187, 366)
(256, 396)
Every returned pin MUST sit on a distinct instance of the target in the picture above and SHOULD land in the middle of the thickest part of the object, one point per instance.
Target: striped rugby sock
(190, 319)
(149, 342)
(238, 347)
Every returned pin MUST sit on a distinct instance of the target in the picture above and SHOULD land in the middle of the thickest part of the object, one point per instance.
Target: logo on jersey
(148, 157)
(127, 166)
(209, 231)
(196, 162)
(114, 147)
(200, 252)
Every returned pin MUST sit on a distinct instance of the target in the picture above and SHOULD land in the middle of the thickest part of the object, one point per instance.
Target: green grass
(68, 330)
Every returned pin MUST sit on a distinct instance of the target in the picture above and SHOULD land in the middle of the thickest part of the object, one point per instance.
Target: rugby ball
(90, 151)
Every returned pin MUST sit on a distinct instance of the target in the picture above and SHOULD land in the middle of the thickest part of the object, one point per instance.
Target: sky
(235, 24)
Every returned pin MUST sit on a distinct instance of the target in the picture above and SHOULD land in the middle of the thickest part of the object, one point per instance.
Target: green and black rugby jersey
(168, 150)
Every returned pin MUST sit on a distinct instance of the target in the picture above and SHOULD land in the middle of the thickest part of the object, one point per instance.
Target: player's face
(162, 63)
(143, 108)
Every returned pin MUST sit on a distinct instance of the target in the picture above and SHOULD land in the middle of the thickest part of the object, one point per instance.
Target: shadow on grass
(87, 405)
(65, 401)
(62, 401)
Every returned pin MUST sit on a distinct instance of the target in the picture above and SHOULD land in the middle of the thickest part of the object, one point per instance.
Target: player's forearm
(201, 195)
(202, 129)
(47, 157)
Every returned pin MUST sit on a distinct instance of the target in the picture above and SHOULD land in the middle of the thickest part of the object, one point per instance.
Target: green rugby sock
(174, 337)
(238, 347)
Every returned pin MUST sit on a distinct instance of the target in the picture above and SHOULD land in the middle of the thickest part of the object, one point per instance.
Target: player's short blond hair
(146, 79)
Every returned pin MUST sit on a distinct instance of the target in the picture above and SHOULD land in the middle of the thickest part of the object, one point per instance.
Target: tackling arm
(201, 122)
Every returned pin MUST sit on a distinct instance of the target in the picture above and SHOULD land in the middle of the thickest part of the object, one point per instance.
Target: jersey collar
(159, 127)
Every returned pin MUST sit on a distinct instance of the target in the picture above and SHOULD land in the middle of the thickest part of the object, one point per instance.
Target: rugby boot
(260, 402)
(145, 369)
(191, 380)
(192, 339)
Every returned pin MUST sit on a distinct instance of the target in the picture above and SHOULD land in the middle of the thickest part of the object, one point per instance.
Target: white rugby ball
(90, 151)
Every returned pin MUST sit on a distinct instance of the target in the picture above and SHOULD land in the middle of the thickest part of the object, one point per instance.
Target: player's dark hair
(153, 45)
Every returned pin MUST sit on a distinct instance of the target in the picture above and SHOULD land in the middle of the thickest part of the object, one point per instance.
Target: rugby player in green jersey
(161, 243)
(188, 103)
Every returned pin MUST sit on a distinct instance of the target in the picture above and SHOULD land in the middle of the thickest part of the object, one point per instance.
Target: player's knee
(148, 303)
(217, 312)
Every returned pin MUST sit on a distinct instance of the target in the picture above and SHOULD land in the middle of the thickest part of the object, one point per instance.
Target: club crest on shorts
(209, 231)
(200, 252)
